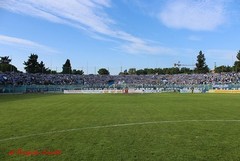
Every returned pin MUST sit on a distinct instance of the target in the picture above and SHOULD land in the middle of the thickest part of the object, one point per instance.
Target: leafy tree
(158, 71)
(53, 71)
(5, 65)
(223, 68)
(132, 71)
(168, 71)
(186, 70)
(5, 60)
(141, 72)
(8, 68)
(201, 66)
(79, 72)
(237, 66)
(67, 69)
(237, 63)
(32, 65)
(149, 71)
(172, 70)
(43, 69)
(238, 55)
(103, 71)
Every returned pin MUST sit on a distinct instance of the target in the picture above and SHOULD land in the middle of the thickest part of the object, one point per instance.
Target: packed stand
(18, 79)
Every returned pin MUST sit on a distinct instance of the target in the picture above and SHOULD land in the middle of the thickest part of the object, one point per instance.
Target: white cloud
(87, 15)
(193, 14)
(135, 48)
(84, 14)
(14, 41)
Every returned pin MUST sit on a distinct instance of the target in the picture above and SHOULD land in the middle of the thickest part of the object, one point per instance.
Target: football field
(120, 127)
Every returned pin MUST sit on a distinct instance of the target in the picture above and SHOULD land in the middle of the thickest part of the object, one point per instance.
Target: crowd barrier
(128, 88)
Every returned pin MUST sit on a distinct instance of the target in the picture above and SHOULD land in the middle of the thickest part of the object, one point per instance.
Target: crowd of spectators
(18, 79)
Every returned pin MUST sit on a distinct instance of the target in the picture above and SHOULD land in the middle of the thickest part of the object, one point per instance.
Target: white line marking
(116, 125)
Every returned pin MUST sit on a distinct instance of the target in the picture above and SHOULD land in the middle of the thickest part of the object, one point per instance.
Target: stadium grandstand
(27, 83)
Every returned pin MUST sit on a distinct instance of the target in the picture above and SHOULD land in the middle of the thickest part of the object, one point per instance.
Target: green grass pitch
(102, 127)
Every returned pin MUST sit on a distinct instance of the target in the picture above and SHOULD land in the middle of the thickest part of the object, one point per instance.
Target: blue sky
(119, 34)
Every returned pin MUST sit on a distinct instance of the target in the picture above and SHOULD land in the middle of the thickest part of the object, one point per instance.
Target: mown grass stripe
(115, 125)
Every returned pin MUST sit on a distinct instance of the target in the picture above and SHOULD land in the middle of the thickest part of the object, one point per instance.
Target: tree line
(200, 67)
(32, 65)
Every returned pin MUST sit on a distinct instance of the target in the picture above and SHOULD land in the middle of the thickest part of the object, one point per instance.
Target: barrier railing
(203, 88)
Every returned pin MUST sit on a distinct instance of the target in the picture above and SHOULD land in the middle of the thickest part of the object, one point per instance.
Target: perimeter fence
(147, 88)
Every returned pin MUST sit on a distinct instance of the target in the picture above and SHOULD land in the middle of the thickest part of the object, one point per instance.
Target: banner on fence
(224, 91)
